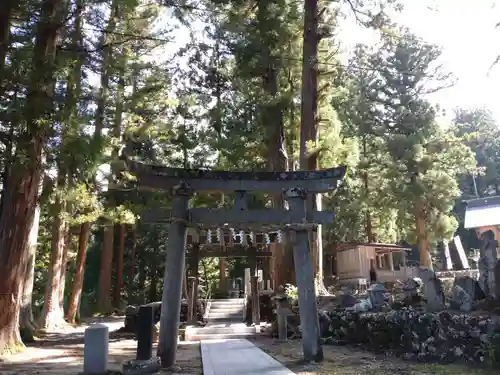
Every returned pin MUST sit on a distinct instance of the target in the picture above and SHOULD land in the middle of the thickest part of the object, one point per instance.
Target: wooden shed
(354, 260)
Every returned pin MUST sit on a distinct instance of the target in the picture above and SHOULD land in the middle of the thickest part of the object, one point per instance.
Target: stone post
(145, 333)
(305, 281)
(247, 287)
(487, 263)
(193, 300)
(255, 301)
(282, 313)
(172, 281)
(254, 286)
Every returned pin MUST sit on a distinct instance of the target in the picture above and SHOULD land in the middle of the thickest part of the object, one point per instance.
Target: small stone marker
(460, 299)
(470, 286)
(433, 290)
(282, 312)
(487, 262)
(376, 294)
(145, 333)
(95, 351)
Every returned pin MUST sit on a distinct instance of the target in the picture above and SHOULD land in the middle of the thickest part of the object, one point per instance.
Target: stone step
(219, 336)
(227, 302)
(216, 315)
(234, 328)
(218, 321)
(227, 310)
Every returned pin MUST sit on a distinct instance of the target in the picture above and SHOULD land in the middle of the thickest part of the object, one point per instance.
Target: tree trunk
(368, 217)
(76, 290)
(17, 215)
(106, 57)
(309, 105)
(104, 298)
(272, 117)
(104, 288)
(20, 200)
(7, 8)
(422, 241)
(119, 266)
(141, 282)
(153, 284)
(52, 314)
(131, 269)
(26, 321)
(64, 266)
(104, 292)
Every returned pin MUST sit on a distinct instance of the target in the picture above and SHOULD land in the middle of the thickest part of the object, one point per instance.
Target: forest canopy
(249, 86)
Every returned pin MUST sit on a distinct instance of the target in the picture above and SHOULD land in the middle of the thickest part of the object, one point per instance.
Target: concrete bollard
(96, 347)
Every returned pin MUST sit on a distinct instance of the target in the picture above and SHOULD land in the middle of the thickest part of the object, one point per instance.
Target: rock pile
(415, 335)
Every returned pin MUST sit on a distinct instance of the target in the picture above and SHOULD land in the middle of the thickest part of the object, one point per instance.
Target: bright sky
(466, 31)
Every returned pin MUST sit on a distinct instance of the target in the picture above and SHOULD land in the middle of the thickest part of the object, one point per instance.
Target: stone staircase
(225, 321)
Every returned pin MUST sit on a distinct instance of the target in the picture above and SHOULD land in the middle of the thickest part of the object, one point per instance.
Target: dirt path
(61, 353)
(341, 360)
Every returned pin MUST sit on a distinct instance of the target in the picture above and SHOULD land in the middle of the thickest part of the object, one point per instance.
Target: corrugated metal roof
(482, 212)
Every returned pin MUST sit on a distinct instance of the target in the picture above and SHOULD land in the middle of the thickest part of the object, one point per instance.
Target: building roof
(378, 246)
(482, 212)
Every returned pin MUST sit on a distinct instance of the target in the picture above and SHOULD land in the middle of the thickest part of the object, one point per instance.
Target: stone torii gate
(298, 218)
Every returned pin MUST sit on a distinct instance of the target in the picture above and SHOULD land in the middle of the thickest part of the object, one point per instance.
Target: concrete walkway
(238, 357)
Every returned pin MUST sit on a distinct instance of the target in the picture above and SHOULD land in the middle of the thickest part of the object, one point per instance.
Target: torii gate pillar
(172, 280)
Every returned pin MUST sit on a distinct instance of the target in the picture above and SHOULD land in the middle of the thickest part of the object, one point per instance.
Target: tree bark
(272, 117)
(26, 321)
(309, 105)
(369, 224)
(119, 266)
(20, 200)
(104, 288)
(7, 8)
(131, 269)
(76, 290)
(422, 241)
(153, 284)
(104, 300)
(52, 315)
(141, 282)
(104, 292)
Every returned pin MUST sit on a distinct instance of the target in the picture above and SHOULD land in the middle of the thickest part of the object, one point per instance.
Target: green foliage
(406, 157)
(231, 99)
(292, 292)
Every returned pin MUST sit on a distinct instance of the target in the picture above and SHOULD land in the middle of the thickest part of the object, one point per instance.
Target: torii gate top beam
(161, 177)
